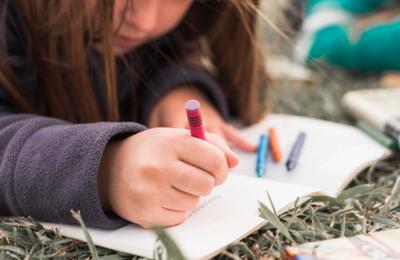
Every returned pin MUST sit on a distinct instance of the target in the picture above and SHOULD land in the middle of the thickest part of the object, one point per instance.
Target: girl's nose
(142, 15)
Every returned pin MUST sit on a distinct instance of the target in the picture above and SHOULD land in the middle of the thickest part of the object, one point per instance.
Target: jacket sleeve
(166, 72)
(49, 166)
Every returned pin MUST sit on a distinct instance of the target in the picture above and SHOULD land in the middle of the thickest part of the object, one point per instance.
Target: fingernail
(234, 160)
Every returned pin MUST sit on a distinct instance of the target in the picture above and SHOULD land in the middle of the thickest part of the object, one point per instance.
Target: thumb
(231, 158)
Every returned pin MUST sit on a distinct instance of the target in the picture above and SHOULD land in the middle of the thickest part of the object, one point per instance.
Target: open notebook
(332, 155)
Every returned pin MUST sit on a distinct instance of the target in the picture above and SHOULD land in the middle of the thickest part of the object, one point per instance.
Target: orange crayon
(274, 145)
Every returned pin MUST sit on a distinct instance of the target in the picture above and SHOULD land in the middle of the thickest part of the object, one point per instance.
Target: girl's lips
(127, 41)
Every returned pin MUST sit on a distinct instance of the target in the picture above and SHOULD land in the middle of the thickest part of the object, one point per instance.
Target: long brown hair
(61, 34)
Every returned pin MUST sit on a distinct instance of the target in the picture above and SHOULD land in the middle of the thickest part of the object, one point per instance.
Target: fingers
(191, 180)
(170, 207)
(206, 156)
(164, 217)
(237, 140)
(219, 142)
(177, 200)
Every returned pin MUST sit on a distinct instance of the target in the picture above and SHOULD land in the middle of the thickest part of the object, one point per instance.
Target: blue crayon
(262, 154)
(295, 152)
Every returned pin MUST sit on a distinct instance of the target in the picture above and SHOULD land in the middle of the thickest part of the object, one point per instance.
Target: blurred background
(316, 90)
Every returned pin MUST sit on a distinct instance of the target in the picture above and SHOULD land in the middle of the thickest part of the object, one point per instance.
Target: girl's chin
(118, 51)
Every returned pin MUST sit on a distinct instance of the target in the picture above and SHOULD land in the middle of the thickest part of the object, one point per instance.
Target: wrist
(104, 177)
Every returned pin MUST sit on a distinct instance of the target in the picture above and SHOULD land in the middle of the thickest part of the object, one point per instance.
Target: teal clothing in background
(329, 35)
(355, 6)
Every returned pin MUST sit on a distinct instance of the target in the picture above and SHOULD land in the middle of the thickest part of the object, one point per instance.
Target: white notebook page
(332, 153)
(229, 213)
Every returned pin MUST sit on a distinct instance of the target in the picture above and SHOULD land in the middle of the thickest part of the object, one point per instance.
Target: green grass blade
(355, 191)
(92, 247)
(272, 218)
(173, 251)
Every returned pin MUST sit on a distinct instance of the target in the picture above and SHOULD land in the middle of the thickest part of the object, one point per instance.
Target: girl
(79, 83)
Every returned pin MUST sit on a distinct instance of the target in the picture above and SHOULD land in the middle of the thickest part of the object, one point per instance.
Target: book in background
(377, 107)
(376, 245)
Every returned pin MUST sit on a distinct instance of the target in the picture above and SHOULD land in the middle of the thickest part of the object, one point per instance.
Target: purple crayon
(295, 152)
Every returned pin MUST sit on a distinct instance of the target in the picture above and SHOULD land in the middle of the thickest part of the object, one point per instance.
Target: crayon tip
(192, 105)
(261, 170)
(290, 165)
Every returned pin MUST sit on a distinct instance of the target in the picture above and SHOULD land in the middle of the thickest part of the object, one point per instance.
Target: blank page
(332, 153)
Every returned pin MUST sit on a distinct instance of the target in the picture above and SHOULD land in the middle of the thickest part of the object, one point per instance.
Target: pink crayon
(194, 118)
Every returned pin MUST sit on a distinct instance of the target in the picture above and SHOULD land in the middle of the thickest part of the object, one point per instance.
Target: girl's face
(139, 21)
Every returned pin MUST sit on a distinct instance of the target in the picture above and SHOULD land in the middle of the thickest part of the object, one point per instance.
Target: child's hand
(170, 112)
(157, 176)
